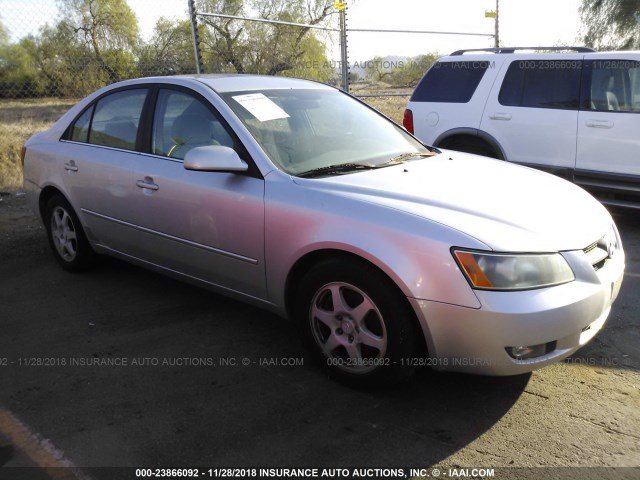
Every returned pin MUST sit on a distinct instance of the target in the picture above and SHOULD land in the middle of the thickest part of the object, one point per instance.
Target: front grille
(599, 252)
(599, 265)
(591, 247)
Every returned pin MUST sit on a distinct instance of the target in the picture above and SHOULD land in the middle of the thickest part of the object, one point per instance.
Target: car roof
(234, 83)
(222, 83)
(479, 53)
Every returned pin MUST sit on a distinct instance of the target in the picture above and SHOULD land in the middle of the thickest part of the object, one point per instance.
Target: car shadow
(210, 381)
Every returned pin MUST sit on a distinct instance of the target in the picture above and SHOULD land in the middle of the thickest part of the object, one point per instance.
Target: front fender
(412, 251)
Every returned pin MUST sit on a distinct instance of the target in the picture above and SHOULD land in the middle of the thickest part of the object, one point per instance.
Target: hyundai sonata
(298, 198)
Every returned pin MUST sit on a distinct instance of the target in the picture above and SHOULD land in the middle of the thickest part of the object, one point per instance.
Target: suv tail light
(407, 120)
(23, 152)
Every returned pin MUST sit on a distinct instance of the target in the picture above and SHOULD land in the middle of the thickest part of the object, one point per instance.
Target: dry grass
(392, 107)
(19, 119)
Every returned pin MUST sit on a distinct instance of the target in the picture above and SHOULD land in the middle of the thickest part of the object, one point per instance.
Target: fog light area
(531, 351)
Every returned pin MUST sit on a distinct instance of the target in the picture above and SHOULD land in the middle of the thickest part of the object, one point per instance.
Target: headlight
(500, 271)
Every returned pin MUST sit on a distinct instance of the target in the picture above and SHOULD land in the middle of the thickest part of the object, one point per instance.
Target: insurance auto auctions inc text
(370, 473)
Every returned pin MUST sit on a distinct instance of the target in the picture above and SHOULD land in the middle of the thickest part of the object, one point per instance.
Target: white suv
(570, 111)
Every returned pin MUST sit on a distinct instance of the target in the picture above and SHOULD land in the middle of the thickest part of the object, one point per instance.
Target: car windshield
(313, 130)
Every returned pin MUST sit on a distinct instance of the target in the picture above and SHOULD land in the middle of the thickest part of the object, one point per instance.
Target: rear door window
(80, 129)
(116, 119)
(112, 121)
(450, 82)
(542, 84)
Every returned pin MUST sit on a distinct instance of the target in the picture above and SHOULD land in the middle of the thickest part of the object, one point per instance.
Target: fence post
(344, 58)
(497, 25)
(196, 36)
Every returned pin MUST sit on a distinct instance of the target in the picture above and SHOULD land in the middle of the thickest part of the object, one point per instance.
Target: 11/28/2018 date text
(196, 473)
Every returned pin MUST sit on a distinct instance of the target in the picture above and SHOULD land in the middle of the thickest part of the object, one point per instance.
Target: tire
(66, 237)
(356, 323)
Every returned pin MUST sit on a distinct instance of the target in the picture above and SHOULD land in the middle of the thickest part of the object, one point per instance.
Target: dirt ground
(216, 398)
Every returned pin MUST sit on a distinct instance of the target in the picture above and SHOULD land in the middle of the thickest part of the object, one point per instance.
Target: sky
(539, 23)
(543, 22)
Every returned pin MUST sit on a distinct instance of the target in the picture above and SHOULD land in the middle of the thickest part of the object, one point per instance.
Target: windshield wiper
(344, 168)
(352, 167)
(406, 156)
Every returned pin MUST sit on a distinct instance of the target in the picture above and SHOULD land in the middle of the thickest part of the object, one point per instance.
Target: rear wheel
(66, 236)
(356, 323)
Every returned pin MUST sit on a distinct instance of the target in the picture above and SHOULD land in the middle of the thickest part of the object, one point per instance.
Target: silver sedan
(298, 198)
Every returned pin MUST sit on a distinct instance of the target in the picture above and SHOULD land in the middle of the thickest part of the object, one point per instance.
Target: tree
(611, 24)
(377, 69)
(68, 64)
(170, 50)
(290, 47)
(224, 38)
(409, 72)
(252, 47)
(311, 62)
(109, 28)
(18, 76)
(4, 34)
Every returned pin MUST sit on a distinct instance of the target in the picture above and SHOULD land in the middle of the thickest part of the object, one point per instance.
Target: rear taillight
(23, 152)
(407, 120)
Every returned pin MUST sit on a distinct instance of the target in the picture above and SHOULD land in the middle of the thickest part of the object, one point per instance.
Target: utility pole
(497, 34)
(341, 6)
(495, 14)
(196, 37)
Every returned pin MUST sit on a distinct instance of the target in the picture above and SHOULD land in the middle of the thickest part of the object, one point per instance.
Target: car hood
(507, 207)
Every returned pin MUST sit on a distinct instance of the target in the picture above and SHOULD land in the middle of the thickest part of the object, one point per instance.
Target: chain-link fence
(53, 52)
(306, 41)
(68, 48)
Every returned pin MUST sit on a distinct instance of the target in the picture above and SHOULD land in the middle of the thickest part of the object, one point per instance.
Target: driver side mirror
(214, 158)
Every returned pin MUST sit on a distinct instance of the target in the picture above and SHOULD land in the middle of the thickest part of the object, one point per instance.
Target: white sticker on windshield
(260, 106)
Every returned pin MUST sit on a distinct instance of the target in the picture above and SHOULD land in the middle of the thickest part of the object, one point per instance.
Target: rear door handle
(500, 116)
(147, 183)
(71, 166)
(599, 123)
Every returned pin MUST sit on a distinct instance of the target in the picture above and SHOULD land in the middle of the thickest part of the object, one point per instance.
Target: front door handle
(147, 183)
(500, 116)
(71, 166)
(599, 123)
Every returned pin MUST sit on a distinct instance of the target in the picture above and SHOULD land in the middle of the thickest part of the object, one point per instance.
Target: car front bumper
(475, 340)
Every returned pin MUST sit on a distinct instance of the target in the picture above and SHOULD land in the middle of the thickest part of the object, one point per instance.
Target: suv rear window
(450, 82)
(542, 84)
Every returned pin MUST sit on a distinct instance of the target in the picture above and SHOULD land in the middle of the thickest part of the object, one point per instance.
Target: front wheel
(356, 323)
(66, 237)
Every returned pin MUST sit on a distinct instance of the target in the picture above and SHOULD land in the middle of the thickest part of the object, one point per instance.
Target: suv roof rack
(513, 49)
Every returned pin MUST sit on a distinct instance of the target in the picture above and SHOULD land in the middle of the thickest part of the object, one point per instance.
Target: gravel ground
(581, 413)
